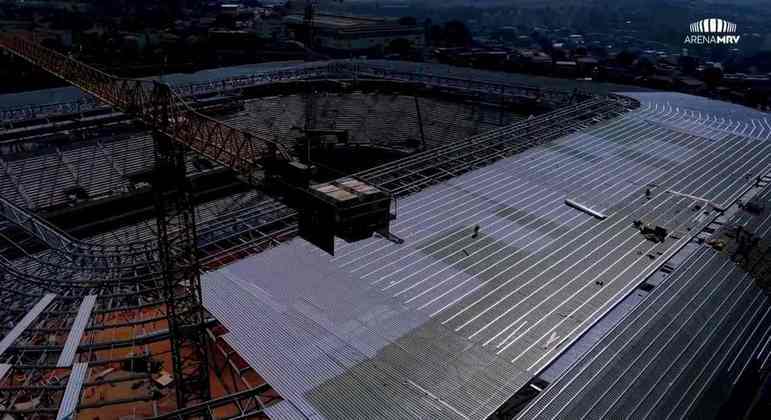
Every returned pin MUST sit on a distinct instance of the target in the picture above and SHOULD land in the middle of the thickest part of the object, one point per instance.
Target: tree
(408, 21)
(713, 76)
(687, 64)
(399, 46)
(626, 58)
(544, 43)
(50, 43)
(757, 98)
(456, 33)
(437, 35)
(645, 66)
(558, 54)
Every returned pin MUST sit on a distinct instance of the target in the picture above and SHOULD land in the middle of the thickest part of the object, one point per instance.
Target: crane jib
(253, 158)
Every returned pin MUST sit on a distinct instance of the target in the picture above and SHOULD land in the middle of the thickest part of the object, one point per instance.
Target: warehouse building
(355, 35)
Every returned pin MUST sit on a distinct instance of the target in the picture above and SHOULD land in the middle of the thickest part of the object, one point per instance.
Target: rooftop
(336, 21)
(496, 276)
(519, 235)
(682, 351)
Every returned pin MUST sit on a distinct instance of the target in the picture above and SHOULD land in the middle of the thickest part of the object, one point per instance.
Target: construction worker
(742, 245)
(648, 193)
(753, 246)
(476, 232)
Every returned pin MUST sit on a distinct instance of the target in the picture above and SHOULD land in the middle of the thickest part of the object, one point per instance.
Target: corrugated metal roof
(71, 396)
(454, 320)
(67, 355)
(4, 368)
(284, 410)
(660, 361)
(681, 352)
(71, 93)
(25, 322)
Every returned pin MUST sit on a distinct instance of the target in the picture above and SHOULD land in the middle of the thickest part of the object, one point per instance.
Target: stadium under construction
(365, 239)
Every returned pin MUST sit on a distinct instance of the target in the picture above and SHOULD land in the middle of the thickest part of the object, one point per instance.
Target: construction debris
(651, 232)
(578, 206)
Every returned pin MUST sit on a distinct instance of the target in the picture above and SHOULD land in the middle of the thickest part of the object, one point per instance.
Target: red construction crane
(253, 158)
(346, 208)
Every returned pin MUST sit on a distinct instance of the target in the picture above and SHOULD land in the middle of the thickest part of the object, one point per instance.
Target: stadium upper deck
(451, 323)
(496, 276)
(78, 312)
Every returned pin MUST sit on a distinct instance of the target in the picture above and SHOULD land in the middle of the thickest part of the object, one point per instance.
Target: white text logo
(712, 31)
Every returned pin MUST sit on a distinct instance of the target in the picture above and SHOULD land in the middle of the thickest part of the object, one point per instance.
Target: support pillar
(181, 281)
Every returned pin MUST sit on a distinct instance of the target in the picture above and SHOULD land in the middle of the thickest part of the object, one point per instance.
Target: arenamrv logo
(712, 31)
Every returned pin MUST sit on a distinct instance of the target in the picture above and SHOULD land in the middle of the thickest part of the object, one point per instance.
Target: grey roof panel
(660, 359)
(4, 368)
(284, 410)
(71, 396)
(25, 322)
(67, 355)
(450, 323)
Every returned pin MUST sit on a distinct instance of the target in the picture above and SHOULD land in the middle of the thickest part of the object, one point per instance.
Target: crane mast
(308, 16)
